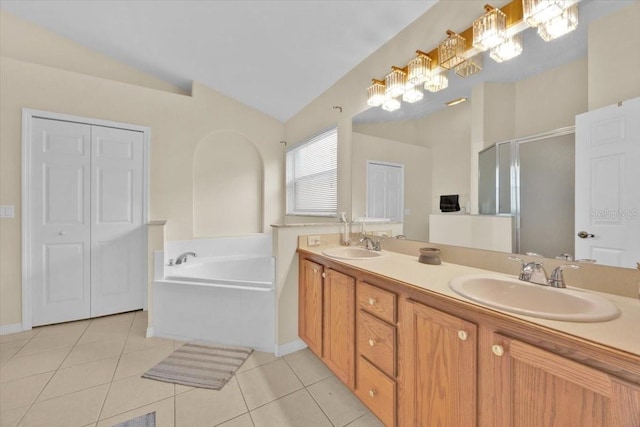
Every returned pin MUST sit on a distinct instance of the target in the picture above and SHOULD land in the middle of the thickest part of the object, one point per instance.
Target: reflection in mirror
(543, 89)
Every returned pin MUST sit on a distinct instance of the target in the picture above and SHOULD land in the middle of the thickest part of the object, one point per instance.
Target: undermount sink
(348, 252)
(517, 296)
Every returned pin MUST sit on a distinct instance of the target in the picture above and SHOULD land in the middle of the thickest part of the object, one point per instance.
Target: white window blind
(312, 176)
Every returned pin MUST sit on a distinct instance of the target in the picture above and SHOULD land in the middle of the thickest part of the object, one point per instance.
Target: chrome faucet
(369, 243)
(534, 272)
(183, 257)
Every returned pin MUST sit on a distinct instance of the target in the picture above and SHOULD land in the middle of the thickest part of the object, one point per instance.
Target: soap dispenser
(345, 235)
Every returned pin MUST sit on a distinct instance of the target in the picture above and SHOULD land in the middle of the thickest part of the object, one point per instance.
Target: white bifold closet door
(86, 231)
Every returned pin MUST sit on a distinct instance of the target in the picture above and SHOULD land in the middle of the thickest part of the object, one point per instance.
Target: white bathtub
(227, 299)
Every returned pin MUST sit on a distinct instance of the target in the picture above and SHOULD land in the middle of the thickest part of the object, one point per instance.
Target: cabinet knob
(324, 275)
(372, 343)
(498, 350)
(463, 335)
(372, 393)
(372, 301)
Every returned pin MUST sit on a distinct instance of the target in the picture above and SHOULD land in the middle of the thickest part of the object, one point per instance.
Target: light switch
(7, 211)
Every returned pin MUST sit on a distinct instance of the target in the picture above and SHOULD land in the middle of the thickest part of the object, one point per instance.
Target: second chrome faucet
(534, 272)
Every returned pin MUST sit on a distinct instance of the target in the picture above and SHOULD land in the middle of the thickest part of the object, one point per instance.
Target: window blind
(312, 176)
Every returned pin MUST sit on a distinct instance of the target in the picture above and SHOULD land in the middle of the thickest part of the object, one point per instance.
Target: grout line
(320, 406)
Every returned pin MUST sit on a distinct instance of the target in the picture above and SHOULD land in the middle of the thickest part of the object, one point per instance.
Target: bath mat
(197, 364)
(148, 420)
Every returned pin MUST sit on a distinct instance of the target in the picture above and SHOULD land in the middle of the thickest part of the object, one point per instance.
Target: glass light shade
(469, 66)
(560, 25)
(490, 29)
(375, 93)
(391, 104)
(451, 51)
(535, 12)
(412, 94)
(436, 83)
(511, 48)
(419, 69)
(396, 82)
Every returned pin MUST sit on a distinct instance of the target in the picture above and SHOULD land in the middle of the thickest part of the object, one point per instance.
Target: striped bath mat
(200, 365)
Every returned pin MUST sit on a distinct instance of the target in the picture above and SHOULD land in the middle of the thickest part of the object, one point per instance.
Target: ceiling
(275, 56)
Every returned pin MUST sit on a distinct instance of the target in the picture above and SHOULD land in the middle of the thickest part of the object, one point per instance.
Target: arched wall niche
(228, 182)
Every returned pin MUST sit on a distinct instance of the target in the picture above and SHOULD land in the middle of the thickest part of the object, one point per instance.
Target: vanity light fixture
(412, 94)
(436, 83)
(391, 104)
(396, 82)
(511, 48)
(451, 50)
(560, 25)
(455, 102)
(469, 66)
(376, 93)
(490, 29)
(419, 69)
(536, 12)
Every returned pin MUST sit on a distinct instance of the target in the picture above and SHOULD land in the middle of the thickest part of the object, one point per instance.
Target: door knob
(585, 235)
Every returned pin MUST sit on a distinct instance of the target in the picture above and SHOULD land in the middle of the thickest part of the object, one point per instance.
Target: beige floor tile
(80, 377)
(44, 342)
(139, 362)
(368, 420)
(134, 392)
(78, 326)
(295, 410)
(137, 343)
(182, 388)
(75, 409)
(202, 407)
(257, 358)
(9, 349)
(337, 401)
(267, 383)
(83, 353)
(23, 391)
(307, 366)
(19, 336)
(241, 421)
(12, 417)
(114, 318)
(140, 321)
(20, 367)
(164, 410)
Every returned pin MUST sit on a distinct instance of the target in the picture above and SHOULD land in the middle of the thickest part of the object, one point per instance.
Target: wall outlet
(7, 211)
(313, 240)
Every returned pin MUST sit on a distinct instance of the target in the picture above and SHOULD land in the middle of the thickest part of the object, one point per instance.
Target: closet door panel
(116, 217)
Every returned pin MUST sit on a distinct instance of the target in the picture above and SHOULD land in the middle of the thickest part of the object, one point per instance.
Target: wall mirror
(434, 143)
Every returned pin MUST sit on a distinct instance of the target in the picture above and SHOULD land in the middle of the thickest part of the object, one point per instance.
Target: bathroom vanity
(418, 354)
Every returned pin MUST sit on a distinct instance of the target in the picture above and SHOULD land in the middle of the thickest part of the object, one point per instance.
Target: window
(312, 176)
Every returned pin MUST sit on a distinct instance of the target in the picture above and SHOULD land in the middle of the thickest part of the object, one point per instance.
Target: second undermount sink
(347, 252)
(516, 296)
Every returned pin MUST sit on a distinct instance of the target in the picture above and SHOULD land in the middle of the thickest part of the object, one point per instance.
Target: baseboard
(149, 332)
(290, 347)
(11, 329)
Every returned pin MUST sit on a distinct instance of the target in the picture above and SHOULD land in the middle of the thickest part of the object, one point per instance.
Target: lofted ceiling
(275, 56)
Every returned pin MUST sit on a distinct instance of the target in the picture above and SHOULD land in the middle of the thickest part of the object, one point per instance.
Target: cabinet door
(310, 305)
(539, 388)
(339, 325)
(438, 367)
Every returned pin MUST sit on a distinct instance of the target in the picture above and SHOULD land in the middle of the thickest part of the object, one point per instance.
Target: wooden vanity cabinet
(417, 359)
(326, 317)
(439, 382)
(534, 387)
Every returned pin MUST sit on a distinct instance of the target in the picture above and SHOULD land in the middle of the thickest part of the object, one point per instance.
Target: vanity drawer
(377, 301)
(377, 391)
(377, 342)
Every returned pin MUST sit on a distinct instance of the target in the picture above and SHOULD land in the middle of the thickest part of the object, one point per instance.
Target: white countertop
(622, 333)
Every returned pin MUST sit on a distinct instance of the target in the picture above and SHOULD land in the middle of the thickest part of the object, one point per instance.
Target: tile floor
(87, 373)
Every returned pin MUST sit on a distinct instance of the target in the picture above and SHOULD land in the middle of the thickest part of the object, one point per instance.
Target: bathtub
(224, 295)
